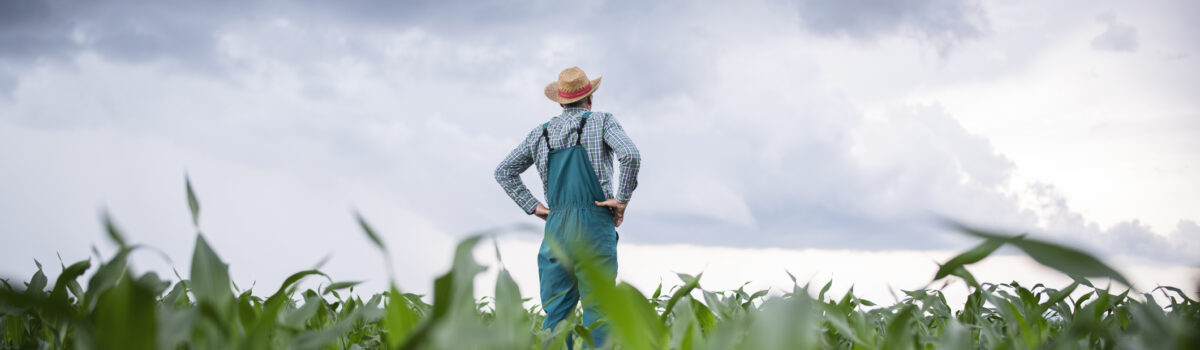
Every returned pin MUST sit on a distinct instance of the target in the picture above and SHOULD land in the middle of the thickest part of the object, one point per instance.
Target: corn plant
(118, 310)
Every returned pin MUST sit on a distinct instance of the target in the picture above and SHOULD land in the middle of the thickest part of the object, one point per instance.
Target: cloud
(941, 23)
(30, 29)
(1058, 222)
(34, 33)
(1135, 239)
(136, 31)
(841, 181)
(1117, 36)
(404, 110)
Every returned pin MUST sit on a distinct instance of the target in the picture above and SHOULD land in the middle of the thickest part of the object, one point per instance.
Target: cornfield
(118, 310)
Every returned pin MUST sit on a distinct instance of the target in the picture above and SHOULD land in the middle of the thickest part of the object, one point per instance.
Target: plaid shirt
(603, 138)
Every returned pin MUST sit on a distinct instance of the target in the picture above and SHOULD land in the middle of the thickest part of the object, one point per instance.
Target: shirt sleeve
(626, 153)
(508, 173)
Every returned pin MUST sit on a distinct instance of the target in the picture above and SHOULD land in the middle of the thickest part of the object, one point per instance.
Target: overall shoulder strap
(582, 123)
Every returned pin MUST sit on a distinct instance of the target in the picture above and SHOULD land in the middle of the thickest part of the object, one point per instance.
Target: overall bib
(575, 223)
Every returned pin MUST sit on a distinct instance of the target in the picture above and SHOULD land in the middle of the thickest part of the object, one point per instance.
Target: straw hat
(572, 85)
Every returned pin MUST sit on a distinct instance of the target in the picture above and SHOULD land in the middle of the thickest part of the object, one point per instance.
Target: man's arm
(508, 174)
(627, 154)
(630, 159)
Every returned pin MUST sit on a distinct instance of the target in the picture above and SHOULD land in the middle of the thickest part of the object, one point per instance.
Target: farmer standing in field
(573, 153)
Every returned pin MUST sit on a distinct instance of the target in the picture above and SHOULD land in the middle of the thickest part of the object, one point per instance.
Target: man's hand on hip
(618, 210)
(541, 211)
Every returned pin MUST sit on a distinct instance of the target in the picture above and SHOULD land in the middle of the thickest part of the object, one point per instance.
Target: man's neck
(569, 110)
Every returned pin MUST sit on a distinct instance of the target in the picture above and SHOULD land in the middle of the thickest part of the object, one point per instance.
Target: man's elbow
(501, 174)
(632, 159)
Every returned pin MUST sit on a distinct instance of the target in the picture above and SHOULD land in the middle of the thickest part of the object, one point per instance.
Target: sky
(827, 138)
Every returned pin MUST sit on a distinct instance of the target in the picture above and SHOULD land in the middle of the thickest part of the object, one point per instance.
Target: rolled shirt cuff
(530, 206)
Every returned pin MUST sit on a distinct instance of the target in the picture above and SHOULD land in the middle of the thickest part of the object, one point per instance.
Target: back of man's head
(579, 104)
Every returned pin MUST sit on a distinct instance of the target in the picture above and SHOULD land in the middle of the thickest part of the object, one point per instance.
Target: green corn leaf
(400, 320)
(510, 317)
(453, 293)
(971, 256)
(247, 313)
(152, 283)
(750, 300)
(847, 304)
(899, 333)
(193, 203)
(374, 237)
(1079, 302)
(296, 277)
(125, 317)
(508, 298)
(1070, 261)
(703, 315)
(323, 338)
(210, 279)
(689, 283)
(586, 335)
(297, 319)
(68, 276)
(838, 321)
(1057, 297)
(791, 323)
(113, 232)
(1177, 291)
(825, 289)
(106, 276)
(629, 314)
(339, 286)
(37, 283)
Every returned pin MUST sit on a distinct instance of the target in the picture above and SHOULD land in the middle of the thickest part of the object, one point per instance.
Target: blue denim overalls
(575, 222)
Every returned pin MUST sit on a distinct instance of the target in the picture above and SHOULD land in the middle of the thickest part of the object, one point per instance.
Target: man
(574, 154)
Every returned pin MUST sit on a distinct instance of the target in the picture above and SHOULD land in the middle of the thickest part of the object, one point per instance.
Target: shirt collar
(572, 111)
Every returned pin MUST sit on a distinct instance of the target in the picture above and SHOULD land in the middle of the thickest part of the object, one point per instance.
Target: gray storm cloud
(941, 23)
